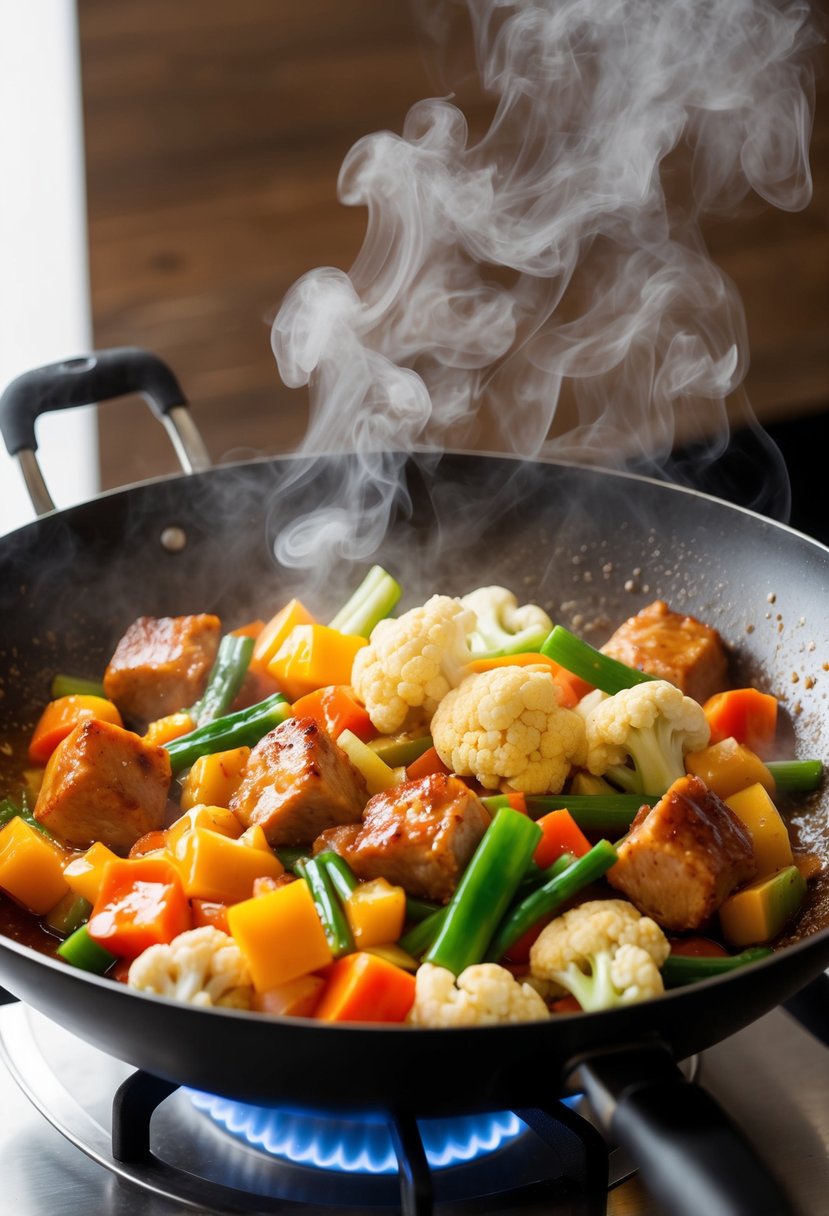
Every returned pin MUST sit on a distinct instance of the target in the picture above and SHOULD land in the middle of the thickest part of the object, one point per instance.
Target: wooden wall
(214, 135)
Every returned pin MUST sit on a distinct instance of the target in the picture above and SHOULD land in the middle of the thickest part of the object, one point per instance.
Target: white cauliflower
(502, 626)
(200, 967)
(483, 995)
(411, 663)
(506, 725)
(653, 724)
(604, 952)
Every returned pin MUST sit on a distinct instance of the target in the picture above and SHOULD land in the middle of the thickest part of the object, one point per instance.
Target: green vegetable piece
(241, 729)
(796, 776)
(342, 876)
(290, 855)
(81, 951)
(485, 891)
(68, 914)
(589, 664)
(73, 686)
(419, 909)
(422, 935)
(373, 600)
(226, 678)
(397, 753)
(542, 902)
(329, 909)
(679, 969)
(610, 813)
(11, 810)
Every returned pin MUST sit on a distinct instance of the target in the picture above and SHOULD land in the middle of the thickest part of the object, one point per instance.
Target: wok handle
(99, 376)
(692, 1158)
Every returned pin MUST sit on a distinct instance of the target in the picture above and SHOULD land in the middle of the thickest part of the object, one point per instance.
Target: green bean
(329, 909)
(485, 891)
(225, 679)
(241, 729)
(679, 969)
(550, 896)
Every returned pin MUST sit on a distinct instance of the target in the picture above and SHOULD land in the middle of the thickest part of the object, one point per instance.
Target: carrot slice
(336, 708)
(60, 717)
(560, 834)
(365, 988)
(744, 714)
(430, 762)
(141, 903)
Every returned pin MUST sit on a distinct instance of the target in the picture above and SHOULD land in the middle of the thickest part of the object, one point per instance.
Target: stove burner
(357, 1146)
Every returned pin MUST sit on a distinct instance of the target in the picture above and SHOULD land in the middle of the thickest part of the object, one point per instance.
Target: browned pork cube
(420, 835)
(682, 857)
(161, 665)
(104, 783)
(297, 782)
(672, 647)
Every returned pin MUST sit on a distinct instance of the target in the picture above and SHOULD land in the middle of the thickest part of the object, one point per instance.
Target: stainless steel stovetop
(772, 1077)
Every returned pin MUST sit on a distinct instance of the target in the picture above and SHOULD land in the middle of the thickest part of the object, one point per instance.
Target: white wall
(44, 292)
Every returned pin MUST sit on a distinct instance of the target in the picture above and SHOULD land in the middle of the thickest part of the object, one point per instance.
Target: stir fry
(463, 814)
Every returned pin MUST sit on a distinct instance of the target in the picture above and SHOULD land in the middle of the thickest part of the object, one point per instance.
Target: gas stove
(200, 1153)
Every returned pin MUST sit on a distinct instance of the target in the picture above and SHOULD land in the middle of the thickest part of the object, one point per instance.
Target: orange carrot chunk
(746, 715)
(365, 988)
(335, 708)
(140, 903)
(430, 762)
(60, 718)
(561, 834)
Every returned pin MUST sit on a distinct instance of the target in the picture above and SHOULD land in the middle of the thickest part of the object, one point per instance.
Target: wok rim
(417, 450)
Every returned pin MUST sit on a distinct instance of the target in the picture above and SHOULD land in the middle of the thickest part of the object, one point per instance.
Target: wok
(592, 545)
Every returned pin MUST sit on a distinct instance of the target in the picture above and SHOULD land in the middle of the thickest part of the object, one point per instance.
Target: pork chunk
(297, 782)
(420, 835)
(104, 783)
(682, 857)
(161, 665)
(672, 647)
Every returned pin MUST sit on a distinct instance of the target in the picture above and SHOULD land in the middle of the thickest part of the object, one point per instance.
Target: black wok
(594, 546)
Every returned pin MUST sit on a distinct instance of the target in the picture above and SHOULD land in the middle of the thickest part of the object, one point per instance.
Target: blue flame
(356, 1145)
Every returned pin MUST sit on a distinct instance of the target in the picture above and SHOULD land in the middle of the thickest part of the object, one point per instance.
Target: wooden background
(214, 135)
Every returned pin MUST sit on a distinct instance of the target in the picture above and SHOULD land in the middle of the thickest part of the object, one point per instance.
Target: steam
(544, 289)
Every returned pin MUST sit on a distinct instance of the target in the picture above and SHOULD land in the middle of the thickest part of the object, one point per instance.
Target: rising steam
(543, 289)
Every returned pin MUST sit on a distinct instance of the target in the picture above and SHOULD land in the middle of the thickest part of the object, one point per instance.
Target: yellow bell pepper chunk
(216, 818)
(274, 633)
(254, 837)
(217, 868)
(31, 867)
(758, 912)
(83, 874)
(164, 730)
(769, 835)
(729, 766)
(314, 656)
(375, 911)
(214, 779)
(280, 935)
(377, 774)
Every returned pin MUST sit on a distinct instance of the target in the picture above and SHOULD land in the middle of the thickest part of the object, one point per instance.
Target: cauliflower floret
(604, 952)
(200, 967)
(653, 724)
(506, 725)
(483, 995)
(502, 626)
(411, 662)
